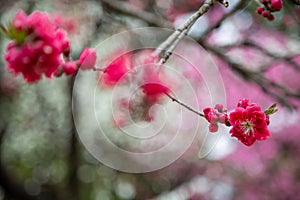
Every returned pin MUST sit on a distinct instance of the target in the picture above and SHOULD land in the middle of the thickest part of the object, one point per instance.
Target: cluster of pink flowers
(150, 81)
(215, 115)
(36, 47)
(40, 47)
(249, 123)
(269, 7)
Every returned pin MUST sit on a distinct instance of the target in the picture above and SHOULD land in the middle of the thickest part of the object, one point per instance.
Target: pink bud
(265, 13)
(259, 10)
(219, 107)
(69, 68)
(213, 128)
(223, 118)
(271, 17)
(214, 118)
(276, 4)
(87, 59)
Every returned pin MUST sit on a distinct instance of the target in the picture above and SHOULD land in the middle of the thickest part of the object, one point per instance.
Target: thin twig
(256, 77)
(185, 105)
(287, 59)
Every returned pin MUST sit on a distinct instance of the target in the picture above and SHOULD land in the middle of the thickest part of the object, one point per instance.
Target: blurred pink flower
(153, 86)
(116, 70)
(36, 47)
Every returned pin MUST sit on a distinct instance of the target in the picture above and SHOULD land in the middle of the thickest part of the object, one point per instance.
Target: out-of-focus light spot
(231, 30)
(279, 119)
(1, 194)
(222, 191)
(164, 4)
(57, 171)
(32, 187)
(125, 190)
(197, 29)
(86, 174)
(102, 195)
(223, 147)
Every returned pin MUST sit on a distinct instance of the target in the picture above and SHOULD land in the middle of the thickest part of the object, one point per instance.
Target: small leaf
(271, 110)
(18, 35)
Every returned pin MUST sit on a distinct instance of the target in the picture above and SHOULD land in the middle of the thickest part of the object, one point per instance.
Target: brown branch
(127, 9)
(226, 16)
(258, 78)
(73, 154)
(185, 105)
(173, 40)
(287, 59)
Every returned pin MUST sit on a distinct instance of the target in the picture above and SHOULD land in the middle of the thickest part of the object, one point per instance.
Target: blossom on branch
(269, 7)
(37, 46)
(249, 123)
(215, 115)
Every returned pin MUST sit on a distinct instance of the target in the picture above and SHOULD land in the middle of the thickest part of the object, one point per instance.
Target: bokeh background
(43, 158)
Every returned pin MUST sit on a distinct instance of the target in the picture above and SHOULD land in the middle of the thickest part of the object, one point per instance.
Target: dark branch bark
(11, 187)
(73, 155)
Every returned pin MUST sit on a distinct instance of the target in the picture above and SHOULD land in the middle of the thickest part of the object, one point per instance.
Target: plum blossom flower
(36, 47)
(249, 123)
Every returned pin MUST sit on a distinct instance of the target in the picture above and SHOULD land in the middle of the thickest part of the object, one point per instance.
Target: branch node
(224, 3)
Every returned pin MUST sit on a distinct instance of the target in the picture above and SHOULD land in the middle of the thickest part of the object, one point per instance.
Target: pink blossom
(36, 47)
(249, 123)
(67, 24)
(116, 70)
(87, 59)
(154, 87)
(259, 10)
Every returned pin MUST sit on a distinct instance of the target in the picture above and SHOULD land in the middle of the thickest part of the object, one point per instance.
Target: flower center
(247, 127)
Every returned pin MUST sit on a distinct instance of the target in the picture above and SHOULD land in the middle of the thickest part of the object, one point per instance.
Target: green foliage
(13, 33)
(271, 110)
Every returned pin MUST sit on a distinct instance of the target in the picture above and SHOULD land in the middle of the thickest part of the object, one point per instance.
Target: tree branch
(126, 8)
